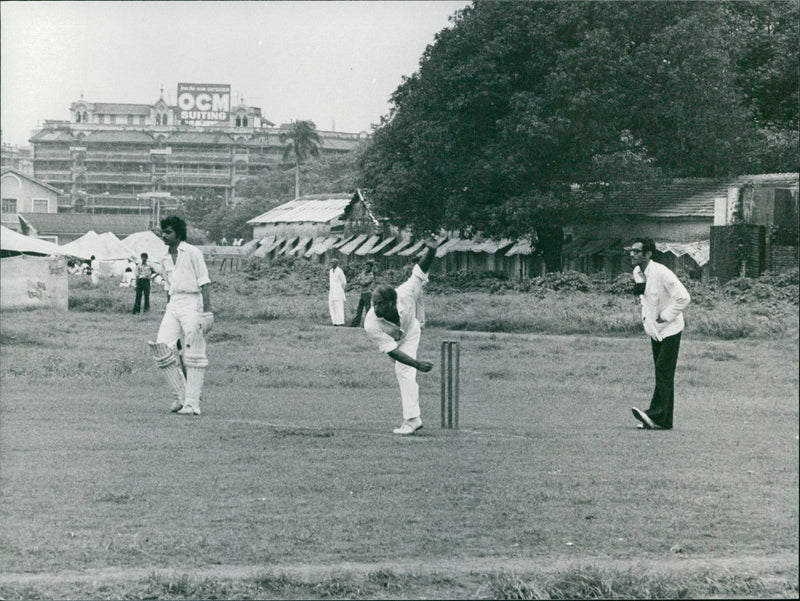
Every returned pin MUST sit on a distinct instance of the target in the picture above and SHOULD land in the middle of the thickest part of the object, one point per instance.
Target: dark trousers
(665, 358)
(142, 289)
(364, 303)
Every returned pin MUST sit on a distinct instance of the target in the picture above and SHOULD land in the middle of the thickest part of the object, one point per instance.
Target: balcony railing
(220, 180)
(53, 176)
(124, 178)
(187, 157)
(42, 154)
(136, 157)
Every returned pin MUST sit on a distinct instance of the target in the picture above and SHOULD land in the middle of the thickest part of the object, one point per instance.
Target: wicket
(449, 376)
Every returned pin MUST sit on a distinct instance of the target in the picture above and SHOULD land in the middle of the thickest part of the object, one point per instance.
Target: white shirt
(388, 336)
(337, 282)
(187, 274)
(664, 296)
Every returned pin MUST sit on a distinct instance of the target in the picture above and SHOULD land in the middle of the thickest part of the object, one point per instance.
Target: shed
(317, 215)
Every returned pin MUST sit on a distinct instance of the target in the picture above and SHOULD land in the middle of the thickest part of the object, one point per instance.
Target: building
(678, 215)
(756, 227)
(317, 215)
(63, 228)
(23, 194)
(18, 158)
(135, 158)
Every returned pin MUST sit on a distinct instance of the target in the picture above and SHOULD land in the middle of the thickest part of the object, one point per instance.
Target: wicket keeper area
(293, 460)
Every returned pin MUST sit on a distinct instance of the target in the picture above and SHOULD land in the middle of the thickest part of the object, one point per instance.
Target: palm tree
(301, 141)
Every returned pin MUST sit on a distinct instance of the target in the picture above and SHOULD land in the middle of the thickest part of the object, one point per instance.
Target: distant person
(224, 241)
(394, 324)
(663, 298)
(187, 318)
(336, 296)
(144, 275)
(94, 264)
(74, 268)
(366, 281)
(128, 278)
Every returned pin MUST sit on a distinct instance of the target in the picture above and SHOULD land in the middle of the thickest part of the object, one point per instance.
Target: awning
(698, 251)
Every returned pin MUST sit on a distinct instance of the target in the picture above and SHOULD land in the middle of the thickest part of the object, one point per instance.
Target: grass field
(291, 484)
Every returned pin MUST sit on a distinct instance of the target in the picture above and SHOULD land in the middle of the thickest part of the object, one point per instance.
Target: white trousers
(407, 376)
(336, 308)
(182, 317)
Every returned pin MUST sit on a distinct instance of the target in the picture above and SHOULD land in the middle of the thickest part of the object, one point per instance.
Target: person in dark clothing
(366, 281)
(144, 275)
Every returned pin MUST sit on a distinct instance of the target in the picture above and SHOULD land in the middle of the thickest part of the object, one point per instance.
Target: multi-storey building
(19, 158)
(130, 158)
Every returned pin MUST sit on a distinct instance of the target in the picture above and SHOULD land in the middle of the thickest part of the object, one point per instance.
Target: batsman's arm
(398, 355)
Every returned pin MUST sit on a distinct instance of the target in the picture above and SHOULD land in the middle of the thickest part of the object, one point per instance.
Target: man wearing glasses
(663, 299)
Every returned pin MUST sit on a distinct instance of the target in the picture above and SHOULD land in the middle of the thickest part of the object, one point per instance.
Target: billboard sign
(204, 103)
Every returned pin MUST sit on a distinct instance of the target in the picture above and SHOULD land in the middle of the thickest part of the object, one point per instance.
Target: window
(141, 119)
(9, 205)
(85, 117)
(130, 119)
(40, 205)
(77, 117)
(158, 119)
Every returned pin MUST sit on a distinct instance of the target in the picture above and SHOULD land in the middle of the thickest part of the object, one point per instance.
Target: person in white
(663, 298)
(394, 324)
(187, 319)
(95, 265)
(336, 296)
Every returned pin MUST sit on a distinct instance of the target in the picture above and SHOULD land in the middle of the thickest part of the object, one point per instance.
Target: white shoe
(408, 426)
(176, 406)
(189, 410)
(644, 418)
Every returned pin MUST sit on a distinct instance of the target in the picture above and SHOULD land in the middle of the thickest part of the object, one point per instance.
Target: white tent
(112, 254)
(146, 242)
(14, 241)
(105, 247)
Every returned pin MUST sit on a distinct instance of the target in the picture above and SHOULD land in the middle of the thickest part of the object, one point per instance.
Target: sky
(334, 63)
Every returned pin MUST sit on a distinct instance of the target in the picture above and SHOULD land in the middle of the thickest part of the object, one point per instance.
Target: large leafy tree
(300, 141)
(517, 102)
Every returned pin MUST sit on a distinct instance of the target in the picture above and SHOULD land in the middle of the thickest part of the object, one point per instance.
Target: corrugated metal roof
(382, 245)
(522, 247)
(401, 244)
(321, 245)
(320, 208)
(367, 246)
(81, 223)
(300, 248)
(348, 248)
(411, 250)
(344, 240)
(492, 246)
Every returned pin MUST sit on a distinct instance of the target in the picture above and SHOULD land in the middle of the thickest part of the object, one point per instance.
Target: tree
(517, 102)
(301, 141)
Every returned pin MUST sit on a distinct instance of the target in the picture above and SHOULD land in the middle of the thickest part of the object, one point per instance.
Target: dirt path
(782, 565)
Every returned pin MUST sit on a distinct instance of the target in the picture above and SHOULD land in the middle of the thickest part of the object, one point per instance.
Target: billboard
(203, 103)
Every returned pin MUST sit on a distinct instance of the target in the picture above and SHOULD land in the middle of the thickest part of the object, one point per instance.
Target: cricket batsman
(187, 318)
